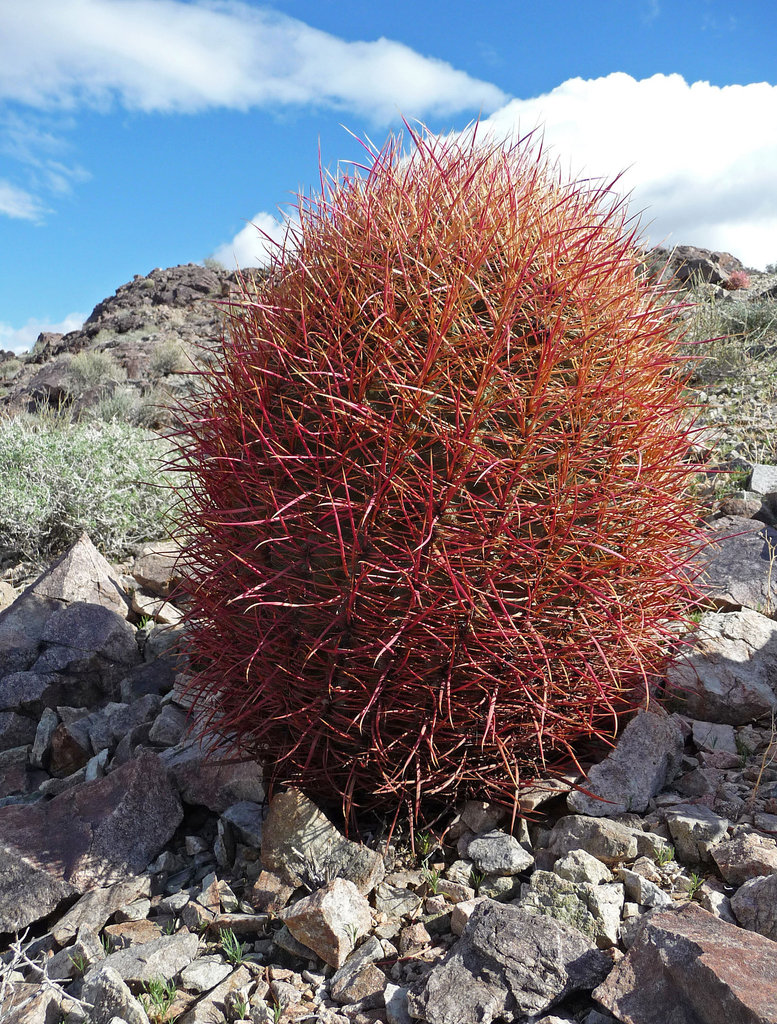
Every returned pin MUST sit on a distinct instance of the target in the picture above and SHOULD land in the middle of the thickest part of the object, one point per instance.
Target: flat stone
(95, 907)
(211, 1008)
(714, 737)
(269, 893)
(580, 866)
(204, 774)
(508, 963)
(205, 973)
(161, 958)
(594, 910)
(396, 902)
(608, 841)
(246, 818)
(496, 853)
(98, 832)
(695, 829)
(330, 920)
(155, 567)
(169, 727)
(738, 564)
(131, 933)
(642, 890)
(703, 968)
(301, 845)
(729, 673)
(647, 756)
(763, 478)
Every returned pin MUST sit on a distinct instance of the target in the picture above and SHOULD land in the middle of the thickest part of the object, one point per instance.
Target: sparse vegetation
(168, 357)
(157, 997)
(59, 479)
(234, 950)
(90, 369)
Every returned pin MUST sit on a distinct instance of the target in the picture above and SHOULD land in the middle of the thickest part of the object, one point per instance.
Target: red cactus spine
(437, 508)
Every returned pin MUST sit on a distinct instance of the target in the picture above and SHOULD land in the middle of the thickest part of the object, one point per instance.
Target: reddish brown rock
(703, 968)
(92, 835)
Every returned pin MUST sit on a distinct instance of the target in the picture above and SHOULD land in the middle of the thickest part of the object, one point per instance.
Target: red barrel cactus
(437, 509)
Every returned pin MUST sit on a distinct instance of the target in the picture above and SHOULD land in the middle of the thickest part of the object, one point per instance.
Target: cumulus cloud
(175, 56)
(252, 245)
(699, 159)
(21, 339)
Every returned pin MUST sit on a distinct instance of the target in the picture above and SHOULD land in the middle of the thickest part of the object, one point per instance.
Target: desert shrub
(92, 369)
(168, 357)
(729, 340)
(436, 492)
(58, 479)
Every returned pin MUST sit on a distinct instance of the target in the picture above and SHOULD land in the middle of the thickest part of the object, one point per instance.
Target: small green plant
(169, 928)
(696, 883)
(79, 962)
(157, 997)
(240, 1006)
(277, 1013)
(234, 950)
(664, 854)
(432, 878)
(425, 844)
(106, 943)
(476, 879)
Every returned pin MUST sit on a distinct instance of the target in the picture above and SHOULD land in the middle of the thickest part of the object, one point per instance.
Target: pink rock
(330, 920)
(701, 967)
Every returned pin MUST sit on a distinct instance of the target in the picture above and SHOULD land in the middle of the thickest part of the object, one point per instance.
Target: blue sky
(145, 133)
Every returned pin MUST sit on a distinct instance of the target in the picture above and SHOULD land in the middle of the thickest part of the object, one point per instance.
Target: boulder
(739, 565)
(301, 845)
(647, 756)
(703, 968)
(728, 673)
(508, 963)
(330, 920)
(755, 905)
(92, 835)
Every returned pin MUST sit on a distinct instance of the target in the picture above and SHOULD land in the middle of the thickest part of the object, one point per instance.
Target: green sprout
(664, 854)
(157, 998)
(233, 949)
(696, 883)
(432, 879)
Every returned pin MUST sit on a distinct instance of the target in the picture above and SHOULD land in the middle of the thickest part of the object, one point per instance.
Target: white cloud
(699, 159)
(170, 55)
(21, 339)
(15, 202)
(250, 247)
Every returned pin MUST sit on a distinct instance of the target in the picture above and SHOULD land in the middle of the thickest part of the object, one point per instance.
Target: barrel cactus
(437, 510)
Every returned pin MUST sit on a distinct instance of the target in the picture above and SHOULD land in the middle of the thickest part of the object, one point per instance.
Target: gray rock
(729, 674)
(161, 958)
(763, 478)
(110, 997)
(246, 818)
(396, 902)
(695, 829)
(508, 963)
(608, 841)
(755, 905)
(712, 736)
(155, 568)
(647, 756)
(169, 727)
(88, 637)
(49, 720)
(738, 564)
(594, 910)
(107, 726)
(580, 866)
(301, 845)
(212, 1008)
(204, 775)
(745, 857)
(205, 973)
(82, 574)
(98, 832)
(496, 853)
(704, 969)
(642, 890)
